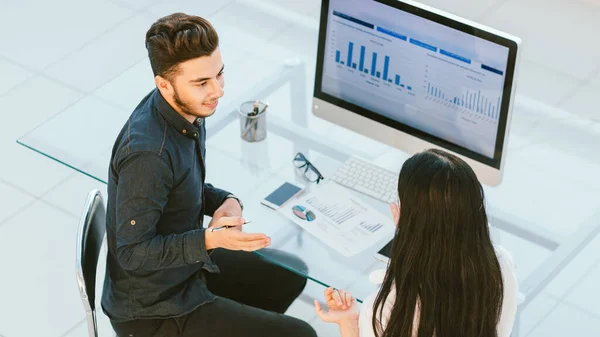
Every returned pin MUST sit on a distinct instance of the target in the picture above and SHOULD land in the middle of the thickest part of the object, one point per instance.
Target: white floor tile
(247, 17)
(472, 10)
(57, 27)
(203, 8)
(30, 171)
(547, 41)
(545, 84)
(527, 256)
(595, 127)
(325, 329)
(104, 330)
(527, 195)
(128, 89)
(578, 141)
(71, 194)
(554, 156)
(575, 270)
(30, 104)
(301, 309)
(137, 4)
(586, 294)
(105, 57)
(584, 101)
(536, 311)
(313, 291)
(300, 40)
(235, 42)
(567, 321)
(297, 6)
(522, 123)
(38, 273)
(596, 79)
(12, 201)
(12, 76)
(79, 330)
(98, 167)
(78, 134)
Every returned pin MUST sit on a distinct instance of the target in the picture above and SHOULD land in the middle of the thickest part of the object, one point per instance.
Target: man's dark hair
(177, 38)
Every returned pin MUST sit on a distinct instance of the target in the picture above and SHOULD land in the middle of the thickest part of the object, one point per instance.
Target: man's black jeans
(252, 295)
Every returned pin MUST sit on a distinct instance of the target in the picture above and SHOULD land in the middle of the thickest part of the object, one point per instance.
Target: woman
(444, 278)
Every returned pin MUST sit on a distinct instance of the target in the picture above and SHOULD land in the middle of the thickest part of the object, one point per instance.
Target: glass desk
(548, 198)
(83, 142)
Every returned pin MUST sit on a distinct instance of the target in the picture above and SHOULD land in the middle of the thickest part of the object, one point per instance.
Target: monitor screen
(419, 72)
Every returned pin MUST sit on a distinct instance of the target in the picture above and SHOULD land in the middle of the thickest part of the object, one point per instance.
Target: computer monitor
(414, 77)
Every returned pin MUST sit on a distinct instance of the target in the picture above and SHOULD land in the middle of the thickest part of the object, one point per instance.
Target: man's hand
(233, 238)
(229, 208)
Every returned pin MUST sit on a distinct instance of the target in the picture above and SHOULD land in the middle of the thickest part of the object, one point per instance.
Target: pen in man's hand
(227, 227)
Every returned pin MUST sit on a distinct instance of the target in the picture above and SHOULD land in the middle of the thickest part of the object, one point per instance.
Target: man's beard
(184, 107)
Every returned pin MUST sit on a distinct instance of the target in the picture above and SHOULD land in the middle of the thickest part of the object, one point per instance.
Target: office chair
(90, 235)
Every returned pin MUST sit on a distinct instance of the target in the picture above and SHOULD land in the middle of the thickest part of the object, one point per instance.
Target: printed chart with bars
(342, 221)
(337, 212)
(341, 211)
(371, 227)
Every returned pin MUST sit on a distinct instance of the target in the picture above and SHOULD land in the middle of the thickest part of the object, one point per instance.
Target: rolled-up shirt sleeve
(144, 182)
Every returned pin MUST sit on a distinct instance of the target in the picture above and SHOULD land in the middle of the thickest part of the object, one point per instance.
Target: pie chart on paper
(303, 213)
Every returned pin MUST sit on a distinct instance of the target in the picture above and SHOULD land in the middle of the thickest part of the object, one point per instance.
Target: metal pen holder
(253, 125)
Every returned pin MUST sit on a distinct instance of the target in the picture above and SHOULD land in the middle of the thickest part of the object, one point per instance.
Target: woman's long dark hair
(443, 265)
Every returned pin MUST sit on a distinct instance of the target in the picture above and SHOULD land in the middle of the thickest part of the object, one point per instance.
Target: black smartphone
(384, 253)
(282, 194)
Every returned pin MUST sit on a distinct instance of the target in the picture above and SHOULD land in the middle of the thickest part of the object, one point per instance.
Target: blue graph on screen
(375, 69)
(473, 100)
(449, 89)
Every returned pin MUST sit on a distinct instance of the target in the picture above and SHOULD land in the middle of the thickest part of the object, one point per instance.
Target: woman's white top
(509, 304)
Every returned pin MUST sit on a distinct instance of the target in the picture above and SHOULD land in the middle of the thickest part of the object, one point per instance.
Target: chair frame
(90, 237)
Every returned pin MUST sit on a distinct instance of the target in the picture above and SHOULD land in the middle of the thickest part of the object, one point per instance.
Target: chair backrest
(92, 227)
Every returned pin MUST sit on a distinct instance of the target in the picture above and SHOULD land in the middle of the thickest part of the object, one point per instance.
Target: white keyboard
(368, 179)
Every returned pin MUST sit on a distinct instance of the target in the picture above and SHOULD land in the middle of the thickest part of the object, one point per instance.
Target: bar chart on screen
(472, 100)
(370, 63)
(433, 85)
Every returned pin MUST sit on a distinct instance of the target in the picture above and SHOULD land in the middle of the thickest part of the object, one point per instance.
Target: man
(166, 274)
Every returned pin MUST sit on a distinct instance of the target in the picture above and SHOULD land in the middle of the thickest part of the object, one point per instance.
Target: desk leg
(298, 94)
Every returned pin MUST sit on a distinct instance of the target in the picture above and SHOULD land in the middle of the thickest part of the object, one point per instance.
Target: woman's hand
(342, 307)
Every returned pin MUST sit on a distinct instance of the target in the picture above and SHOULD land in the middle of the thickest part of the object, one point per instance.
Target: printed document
(338, 219)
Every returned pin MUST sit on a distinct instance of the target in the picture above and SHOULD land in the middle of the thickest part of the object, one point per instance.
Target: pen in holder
(253, 121)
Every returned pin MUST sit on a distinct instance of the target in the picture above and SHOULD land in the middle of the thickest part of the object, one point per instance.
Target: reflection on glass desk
(545, 211)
